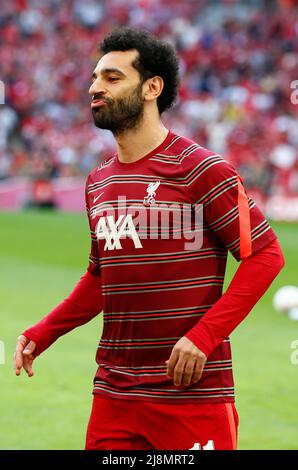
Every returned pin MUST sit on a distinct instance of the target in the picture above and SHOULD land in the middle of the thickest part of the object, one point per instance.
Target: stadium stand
(238, 61)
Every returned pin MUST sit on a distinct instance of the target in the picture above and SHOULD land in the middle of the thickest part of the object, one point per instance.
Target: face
(117, 102)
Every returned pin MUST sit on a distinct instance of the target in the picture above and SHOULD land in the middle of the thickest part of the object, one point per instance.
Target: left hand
(186, 362)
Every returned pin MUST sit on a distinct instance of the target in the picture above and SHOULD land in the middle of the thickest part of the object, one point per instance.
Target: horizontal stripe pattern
(161, 314)
(258, 231)
(218, 190)
(175, 159)
(106, 163)
(135, 205)
(167, 393)
(162, 285)
(137, 343)
(155, 371)
(177, 286)
(169, 257)
(187, 180)
(228, 217)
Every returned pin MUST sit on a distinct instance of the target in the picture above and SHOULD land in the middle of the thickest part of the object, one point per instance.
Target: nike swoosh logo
(97, 197)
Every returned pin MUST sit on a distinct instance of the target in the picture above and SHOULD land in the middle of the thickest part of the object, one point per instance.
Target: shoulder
(197, 160)
(98, 172)
(188, 153)
(204, 171)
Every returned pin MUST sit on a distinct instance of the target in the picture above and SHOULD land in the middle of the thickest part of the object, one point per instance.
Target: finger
(18, 357)
(21, 342)
(179, 369)
(198, 370)
(29, 348)
(28, 366)
(172, 362)
(188, 370)
(17, 362)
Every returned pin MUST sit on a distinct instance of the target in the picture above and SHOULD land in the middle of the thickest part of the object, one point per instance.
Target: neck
(136, 143)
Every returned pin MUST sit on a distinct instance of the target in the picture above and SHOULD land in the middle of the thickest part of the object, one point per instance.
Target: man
(164, 378)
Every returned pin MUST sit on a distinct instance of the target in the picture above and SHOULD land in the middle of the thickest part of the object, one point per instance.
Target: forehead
(118, 59)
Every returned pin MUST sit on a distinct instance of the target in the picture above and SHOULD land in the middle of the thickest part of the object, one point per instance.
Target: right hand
(23, 356)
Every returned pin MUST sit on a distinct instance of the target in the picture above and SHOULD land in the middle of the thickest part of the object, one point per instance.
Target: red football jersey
(162, 265)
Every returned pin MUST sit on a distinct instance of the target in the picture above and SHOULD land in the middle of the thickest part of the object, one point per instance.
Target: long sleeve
(250, 282)
(83, 304)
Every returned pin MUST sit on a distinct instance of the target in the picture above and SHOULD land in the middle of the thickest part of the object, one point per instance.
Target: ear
(153, 88)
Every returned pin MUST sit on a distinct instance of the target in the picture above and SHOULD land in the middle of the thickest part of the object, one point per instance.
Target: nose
(97, 88)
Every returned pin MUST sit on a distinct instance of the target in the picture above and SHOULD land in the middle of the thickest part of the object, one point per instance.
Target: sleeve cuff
(37, 340)
(202, 338)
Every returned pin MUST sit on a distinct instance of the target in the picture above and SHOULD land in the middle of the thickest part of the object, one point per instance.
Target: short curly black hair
(156, 57)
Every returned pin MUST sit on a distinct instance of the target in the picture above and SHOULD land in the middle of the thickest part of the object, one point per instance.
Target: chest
(134, 212)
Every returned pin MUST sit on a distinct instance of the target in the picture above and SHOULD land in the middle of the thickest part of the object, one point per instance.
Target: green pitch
(42, 255)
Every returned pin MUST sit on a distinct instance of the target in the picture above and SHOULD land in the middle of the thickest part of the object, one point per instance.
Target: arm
(242, 228)
(83, 304)
(250, 282)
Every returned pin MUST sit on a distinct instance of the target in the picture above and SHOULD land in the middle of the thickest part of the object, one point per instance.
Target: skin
(23, 356)
(132, 144)
(115, 80)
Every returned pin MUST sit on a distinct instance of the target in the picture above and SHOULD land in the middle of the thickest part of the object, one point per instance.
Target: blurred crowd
(238, 62)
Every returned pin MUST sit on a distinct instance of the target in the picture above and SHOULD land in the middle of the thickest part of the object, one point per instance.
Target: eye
(113, 79)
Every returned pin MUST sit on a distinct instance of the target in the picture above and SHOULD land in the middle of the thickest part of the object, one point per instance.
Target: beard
(122, 114)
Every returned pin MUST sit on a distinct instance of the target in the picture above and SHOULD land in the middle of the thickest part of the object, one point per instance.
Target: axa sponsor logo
(112, 231)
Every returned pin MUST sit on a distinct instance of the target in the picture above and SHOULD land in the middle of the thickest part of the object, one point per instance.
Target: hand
(186, 362)
(23, 356)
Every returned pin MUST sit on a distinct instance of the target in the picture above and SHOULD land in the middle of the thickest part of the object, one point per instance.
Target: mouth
(97, 103)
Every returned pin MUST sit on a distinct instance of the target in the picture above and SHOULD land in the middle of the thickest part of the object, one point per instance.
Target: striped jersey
(161, 228)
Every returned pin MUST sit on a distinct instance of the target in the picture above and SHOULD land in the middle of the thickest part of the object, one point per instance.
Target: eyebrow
(109, 70)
